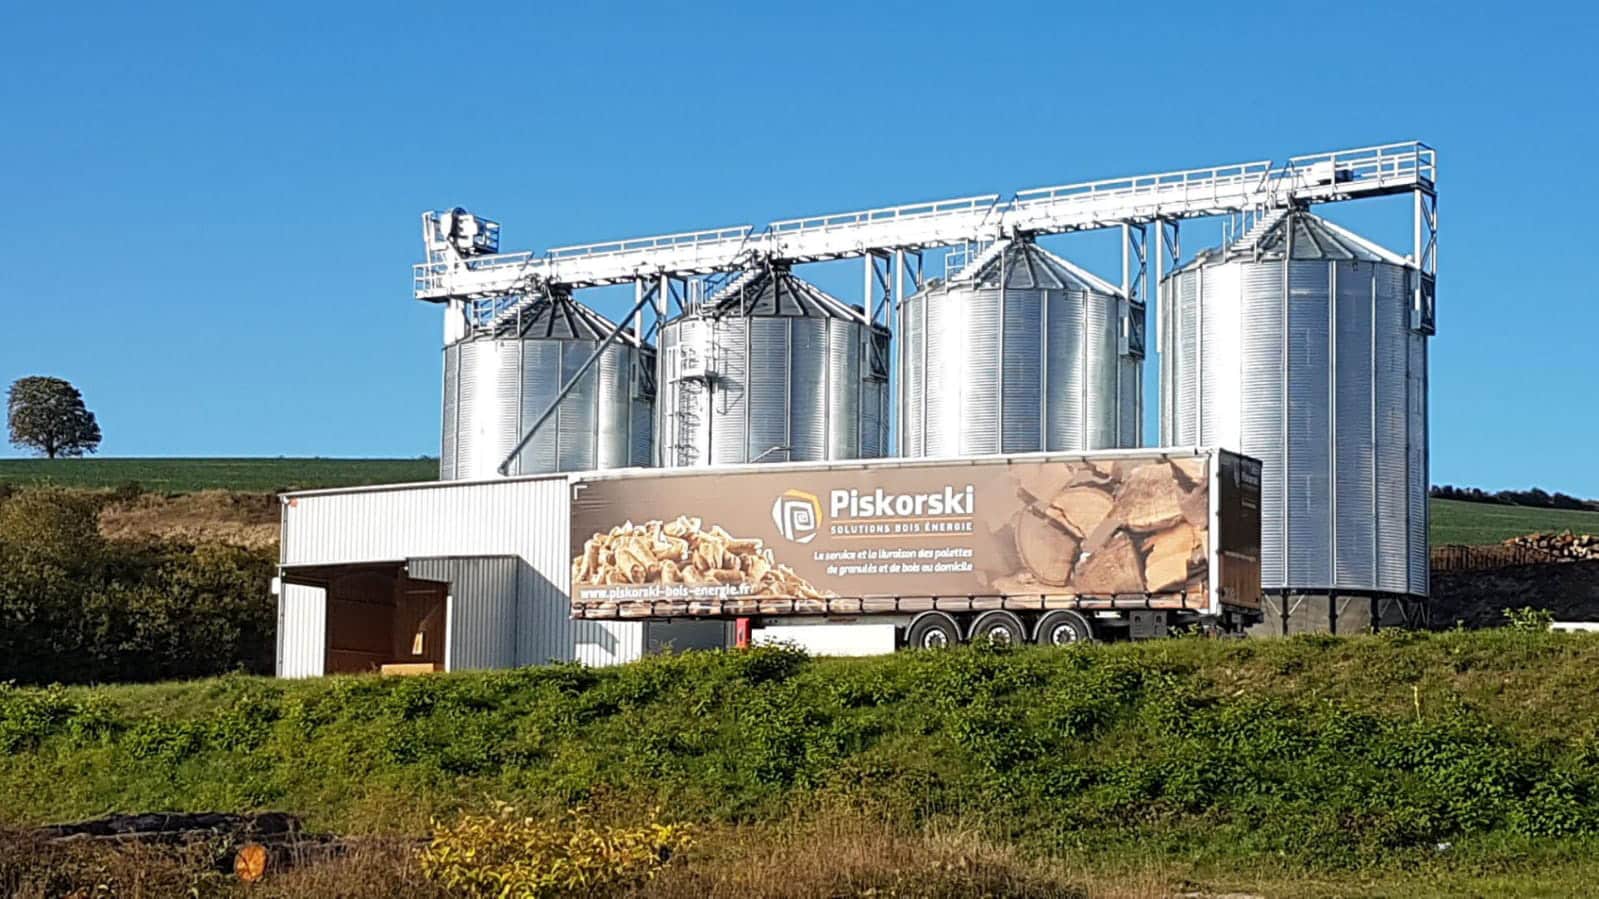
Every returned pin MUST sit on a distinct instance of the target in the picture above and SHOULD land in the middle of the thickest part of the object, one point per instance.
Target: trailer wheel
(1000, 628)
(1062, 628)
(932, 630)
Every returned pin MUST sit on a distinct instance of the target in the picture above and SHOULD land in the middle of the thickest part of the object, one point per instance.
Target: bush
(507, 855)
(1529, 619)
(77, 608)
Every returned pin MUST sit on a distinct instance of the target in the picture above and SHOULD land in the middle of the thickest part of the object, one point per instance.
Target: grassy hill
(243, 475)
(1308, 766)
(1454, 521)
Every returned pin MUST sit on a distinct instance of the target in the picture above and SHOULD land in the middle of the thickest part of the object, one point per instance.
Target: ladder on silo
(1264, 222)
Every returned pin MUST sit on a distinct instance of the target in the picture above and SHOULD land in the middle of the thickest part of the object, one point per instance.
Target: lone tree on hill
(47, 415)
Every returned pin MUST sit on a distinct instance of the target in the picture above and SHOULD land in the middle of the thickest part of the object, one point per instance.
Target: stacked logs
(1565, 545)
(251, 846)
(1114, 529)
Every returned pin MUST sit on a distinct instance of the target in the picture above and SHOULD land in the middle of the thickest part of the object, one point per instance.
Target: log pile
(1114, 529)
(1561, 546)
(250, 846)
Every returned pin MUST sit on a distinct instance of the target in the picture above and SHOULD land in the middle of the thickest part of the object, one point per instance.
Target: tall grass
(1318, 753)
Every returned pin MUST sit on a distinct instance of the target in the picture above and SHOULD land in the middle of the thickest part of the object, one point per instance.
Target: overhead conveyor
(485, 289)
(474, 269)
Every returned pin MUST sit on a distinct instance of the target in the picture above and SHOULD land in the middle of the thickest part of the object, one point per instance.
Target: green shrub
(1529, 619)
(79, 609)
(1199, 747)
(508, 855)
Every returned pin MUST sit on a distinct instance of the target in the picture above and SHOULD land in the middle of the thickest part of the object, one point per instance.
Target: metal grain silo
(506, 371)
(772, 369)
(1020, 351)
(1305, 346)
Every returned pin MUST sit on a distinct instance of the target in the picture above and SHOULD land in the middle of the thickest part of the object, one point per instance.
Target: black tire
(1062, 628)
(932, 630)
(999, 627)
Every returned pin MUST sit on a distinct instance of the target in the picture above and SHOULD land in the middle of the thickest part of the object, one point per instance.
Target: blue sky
(212, 209)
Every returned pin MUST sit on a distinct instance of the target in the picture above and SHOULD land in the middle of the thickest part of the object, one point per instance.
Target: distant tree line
(77, 608)
(1534, 497)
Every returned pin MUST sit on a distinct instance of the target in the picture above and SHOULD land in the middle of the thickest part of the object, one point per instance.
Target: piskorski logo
(797, 515)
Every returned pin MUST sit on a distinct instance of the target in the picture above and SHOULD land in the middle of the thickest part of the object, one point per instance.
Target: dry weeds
(249, 520)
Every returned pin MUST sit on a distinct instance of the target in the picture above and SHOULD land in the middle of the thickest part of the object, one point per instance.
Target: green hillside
(1324, 762)
(245, 475)
(1454, 521)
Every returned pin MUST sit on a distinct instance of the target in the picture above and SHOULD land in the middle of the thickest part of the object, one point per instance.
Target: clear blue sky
(212, 210)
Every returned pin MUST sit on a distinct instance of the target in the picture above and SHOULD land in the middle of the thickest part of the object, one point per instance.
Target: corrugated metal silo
(772, 369)
(1304, 346)
(1020, 351)
(502, 376)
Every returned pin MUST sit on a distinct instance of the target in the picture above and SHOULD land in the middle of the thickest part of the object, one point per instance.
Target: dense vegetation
(182, 475)
(1314, 753)
(75, 607)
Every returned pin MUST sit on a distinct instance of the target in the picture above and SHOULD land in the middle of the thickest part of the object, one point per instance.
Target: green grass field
(1479, 523)
(184, 475)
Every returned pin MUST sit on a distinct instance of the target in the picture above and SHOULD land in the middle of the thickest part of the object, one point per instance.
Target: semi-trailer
(1048, 548)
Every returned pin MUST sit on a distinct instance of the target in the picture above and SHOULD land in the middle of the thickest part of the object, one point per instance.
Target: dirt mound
(242, 519)
(1569, 590)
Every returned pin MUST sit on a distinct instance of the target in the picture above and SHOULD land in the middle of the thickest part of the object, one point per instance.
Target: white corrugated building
(454, 574)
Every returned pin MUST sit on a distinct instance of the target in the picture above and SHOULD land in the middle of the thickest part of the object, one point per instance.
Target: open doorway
(380, 619)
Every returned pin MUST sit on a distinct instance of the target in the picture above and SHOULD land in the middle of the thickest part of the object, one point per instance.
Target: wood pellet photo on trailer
(865, 557)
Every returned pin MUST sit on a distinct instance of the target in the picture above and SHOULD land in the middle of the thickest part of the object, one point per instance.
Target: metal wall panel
(1020, 361)
(767, 377)
(944, 342)
(1063, 365)
(848, 413)
(526, 517)
(1392, 442)
(1322, 379)
(724, 428)
(302, 631)
(913, 382)
(780, 387)
(496, 388)
(1355, 490)
(979, 411)
(576, 423)
(482, 615)
(1186, 341)
(1131, 413)
(1101, 355)
(1309, 417)
(1262, 402)
(540, 382)
(807, 393)
(452, 372)
(1018, 353)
